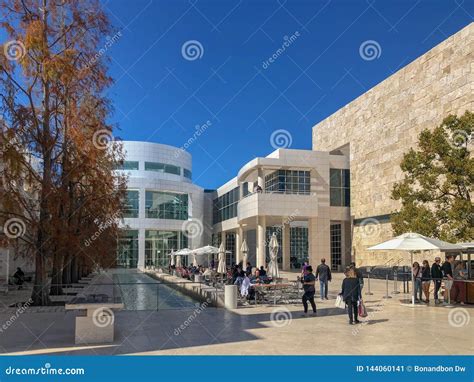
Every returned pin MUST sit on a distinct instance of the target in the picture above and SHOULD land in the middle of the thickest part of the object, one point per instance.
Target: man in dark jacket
(308, 282)
(323, 272)
(437, 276)
(447, 269)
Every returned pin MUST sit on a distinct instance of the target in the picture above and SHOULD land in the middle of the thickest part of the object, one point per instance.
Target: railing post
(395, 282)
(368, 293)
(386, 288)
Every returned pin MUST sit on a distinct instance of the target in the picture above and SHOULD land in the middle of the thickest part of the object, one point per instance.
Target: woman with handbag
(351, 295)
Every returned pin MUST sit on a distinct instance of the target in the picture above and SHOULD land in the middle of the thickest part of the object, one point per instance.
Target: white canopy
(195, 263)
(221, 266)
(273, 264)
(184, 252)
(412, 242)
(415, 242)
(206, 250)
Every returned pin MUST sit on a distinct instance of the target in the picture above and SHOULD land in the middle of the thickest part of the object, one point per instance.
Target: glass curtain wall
(336, 247)
(166, 205)
(298, 246)
(158, 245)
(340, 187)
(131, 205)
(127, 249)
(225, 206)
(288, 182)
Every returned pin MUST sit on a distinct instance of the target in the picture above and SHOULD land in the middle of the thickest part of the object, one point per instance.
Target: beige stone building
(378, 127)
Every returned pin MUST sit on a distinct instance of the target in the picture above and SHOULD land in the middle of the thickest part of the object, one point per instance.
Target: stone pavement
(390, 329)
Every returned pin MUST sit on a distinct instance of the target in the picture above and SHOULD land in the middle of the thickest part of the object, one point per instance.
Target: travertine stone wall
(382, 124)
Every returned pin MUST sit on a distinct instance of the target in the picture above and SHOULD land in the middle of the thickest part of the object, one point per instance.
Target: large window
(298, 246)
(187, 173)
(166, 205)
(340, 187)
(336, 247)
(128, 165)
(158, 245)
(127, 249)
(225, 206)
(230, 248)
(131, 204)
(162, 167)
(288, 182)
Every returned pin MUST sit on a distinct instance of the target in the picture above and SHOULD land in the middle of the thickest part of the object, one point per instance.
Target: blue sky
(160, 95)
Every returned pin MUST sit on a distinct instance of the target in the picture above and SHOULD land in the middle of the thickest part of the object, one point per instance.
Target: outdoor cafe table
(270, 286)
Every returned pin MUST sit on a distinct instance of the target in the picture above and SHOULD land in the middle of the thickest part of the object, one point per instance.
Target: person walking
(416, 269)
(358, 275)
(426, 280)
(323, 273)
(308, 282)
(351, 294)
(436, 276)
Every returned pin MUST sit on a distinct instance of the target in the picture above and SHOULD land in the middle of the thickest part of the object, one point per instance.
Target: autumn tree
(54, 136)
(437, 190)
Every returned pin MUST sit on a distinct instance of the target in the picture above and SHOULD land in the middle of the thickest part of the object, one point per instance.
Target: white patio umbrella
(172, 257)
(273, 264)
(221, 266)
(178, 261)
(244, 249)
(195, 263)
(412, 242)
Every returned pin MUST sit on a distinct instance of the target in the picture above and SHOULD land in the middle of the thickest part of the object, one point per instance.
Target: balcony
(277, 204)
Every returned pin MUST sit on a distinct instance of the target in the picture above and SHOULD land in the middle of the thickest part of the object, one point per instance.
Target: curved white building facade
(164, 209)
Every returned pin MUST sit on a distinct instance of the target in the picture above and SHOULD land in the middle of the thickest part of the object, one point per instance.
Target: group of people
(452, 272)
(351, 289)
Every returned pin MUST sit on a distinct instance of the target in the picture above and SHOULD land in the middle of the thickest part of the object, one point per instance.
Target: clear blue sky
(160, 96)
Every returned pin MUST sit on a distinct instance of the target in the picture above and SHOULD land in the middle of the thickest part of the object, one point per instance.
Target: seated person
(263, 272)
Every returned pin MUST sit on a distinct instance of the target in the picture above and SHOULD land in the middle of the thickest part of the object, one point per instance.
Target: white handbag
(340, 302)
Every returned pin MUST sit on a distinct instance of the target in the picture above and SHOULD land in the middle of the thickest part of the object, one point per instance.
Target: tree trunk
(67, 270)
(57, 277)
(74, 270)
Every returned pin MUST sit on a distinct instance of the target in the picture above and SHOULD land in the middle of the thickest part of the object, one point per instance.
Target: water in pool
(141, 292)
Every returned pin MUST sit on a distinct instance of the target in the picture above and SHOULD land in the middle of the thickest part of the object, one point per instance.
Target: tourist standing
(308, 282)
(447, 269)
(248, 270)
(323, 273)
(351, 294)
(426, 280)
(459, 286)
(437, 276)
(416, 270)
(359, 275)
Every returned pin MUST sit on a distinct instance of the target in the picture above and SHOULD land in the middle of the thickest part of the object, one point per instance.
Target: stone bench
(97, 299)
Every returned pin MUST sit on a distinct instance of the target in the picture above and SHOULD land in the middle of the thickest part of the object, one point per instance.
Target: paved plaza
(390, 328)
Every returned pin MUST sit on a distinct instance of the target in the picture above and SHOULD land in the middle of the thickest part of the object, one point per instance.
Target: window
(336, 247)
(162, 167)
(288, 182)
(225, 206)
(131, 204)
(127, 249)
(128, 165)
(166, 205)
(229, 246)
(298, 246)
(187, 173)
(278, 230)
(339, 183)
(158, 245)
